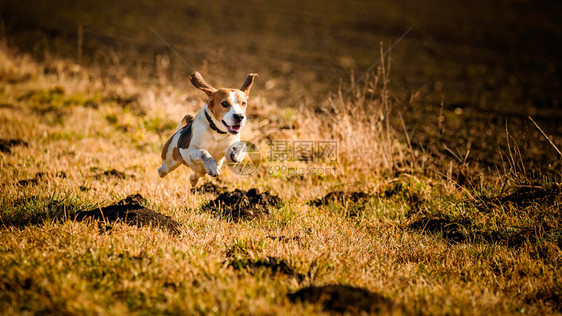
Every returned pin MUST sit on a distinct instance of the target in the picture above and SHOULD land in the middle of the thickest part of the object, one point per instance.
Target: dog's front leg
(198, 157)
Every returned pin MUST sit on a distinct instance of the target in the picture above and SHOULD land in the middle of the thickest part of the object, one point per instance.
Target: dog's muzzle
(232, 129)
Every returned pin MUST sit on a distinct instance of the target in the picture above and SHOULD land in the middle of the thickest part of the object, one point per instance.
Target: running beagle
(202, 142)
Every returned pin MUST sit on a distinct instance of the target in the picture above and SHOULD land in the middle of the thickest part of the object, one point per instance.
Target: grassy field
(432, 208)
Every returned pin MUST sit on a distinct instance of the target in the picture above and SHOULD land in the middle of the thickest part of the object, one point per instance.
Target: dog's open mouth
(234, 129)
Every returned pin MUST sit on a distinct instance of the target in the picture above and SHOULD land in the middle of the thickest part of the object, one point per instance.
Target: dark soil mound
(459, 230)
(131, 212)
(238, 204)
(463, 230)
(7, 144)
(209, 187)
(341, 197)
(33, 181)
(343, 298)
(524, 196)
(39, 176)
(113, 173)
(452, 230)
(273, 264)
(284, 238)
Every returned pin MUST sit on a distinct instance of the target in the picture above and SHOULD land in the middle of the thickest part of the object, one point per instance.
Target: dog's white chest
(217, 149)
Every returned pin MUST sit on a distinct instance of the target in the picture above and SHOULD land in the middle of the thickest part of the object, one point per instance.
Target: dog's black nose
(238, 117)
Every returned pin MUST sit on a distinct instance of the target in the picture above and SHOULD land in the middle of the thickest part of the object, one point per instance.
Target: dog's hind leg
(167, 167)
(170, 163)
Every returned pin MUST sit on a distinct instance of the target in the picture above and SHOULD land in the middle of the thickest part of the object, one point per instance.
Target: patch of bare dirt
(7, 144)
(111, 173)
(40, 176)
(209, 187)
(341, 197)
(343, 298)
(243, 205)
(131, 212)
(273, 264)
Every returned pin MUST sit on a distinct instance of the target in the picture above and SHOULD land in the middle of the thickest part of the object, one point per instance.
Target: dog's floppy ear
(248, 84)
(199, 83)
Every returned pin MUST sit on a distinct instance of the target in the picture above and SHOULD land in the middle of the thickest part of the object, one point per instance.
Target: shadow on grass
(343, 298)
(273, 264)
(523, 196)
(463, 230)
(7, 144)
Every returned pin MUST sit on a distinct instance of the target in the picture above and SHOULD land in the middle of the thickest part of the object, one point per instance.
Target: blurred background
(463, 74)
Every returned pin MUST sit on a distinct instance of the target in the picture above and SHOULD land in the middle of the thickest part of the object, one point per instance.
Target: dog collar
(212, 124)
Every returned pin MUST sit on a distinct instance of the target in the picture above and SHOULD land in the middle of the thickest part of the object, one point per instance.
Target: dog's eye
(225, 104)
(243, 103)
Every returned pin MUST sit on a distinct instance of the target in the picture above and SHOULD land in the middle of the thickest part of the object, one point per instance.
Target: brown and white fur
(201, 142)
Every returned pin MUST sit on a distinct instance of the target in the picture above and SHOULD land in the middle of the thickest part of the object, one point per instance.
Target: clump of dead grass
(359, 118)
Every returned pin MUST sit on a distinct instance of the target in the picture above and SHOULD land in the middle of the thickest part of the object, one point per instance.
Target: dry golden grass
(428, 245)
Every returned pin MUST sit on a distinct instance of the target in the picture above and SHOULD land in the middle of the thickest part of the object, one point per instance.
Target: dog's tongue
(235, 128)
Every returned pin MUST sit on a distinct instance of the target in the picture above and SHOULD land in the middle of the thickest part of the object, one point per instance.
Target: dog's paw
(162, 172)
(214, 172)
(212, 168)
